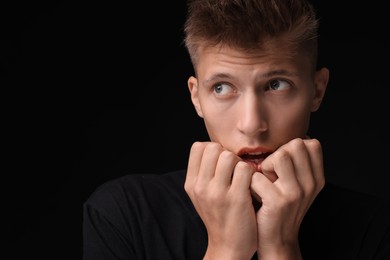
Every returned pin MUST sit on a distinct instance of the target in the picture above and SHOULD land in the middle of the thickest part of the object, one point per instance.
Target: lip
(253, 150)
(254, 156)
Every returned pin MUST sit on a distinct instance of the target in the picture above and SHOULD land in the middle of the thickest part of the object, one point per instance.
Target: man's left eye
(278, 84)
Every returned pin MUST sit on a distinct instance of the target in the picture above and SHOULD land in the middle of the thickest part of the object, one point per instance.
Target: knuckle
(243, 166)
(314, 144)
(188, 187)
(321, 183)
(297, 144)
(199, 191)
(295, 195)
(311, 189)
(212, 148)
(227, 155)
(197, 146)
(282, 155)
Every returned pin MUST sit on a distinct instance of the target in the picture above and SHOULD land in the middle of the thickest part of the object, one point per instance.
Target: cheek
(294, 122)
(219, 124)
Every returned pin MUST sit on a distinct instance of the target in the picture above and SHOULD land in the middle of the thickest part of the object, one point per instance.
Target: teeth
(260, 153)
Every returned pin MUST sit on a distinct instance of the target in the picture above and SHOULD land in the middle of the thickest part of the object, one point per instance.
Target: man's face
(254, 103)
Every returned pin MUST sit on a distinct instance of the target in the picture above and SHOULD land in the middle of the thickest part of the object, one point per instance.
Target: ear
(320, 82)
(194, 90)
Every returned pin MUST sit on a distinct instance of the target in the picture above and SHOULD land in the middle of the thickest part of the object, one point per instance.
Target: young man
(256, 190)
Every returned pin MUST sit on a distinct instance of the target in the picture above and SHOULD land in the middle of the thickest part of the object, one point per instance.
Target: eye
(278, 84)
(223, 89)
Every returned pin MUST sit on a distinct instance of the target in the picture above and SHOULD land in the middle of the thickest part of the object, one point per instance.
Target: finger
(314, 149)
(302, 164)
(242, 176)
(209, 162)
(281, 164)
(194, 162)
(262, 188)
(225, 166)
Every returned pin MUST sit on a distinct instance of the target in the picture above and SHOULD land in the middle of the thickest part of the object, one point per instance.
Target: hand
(218, 183)
(291, 178)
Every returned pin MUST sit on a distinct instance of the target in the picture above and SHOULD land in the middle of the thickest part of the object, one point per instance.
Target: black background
(94, 90)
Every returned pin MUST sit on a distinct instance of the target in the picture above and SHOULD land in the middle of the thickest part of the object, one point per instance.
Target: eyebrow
(217, 77)
(269, 74)
(274, 73)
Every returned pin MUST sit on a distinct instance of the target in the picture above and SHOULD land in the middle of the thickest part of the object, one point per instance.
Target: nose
(253, 115)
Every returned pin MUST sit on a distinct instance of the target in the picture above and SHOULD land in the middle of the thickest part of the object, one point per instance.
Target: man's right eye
(223, 89)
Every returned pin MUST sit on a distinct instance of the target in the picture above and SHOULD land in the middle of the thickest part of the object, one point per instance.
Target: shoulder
(137, 212)
(338, 215)
(340, 198)
(135, 189)
(138, 183)
(349, 207)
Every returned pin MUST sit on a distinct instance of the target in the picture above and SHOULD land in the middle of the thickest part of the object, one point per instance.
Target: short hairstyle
(248, 25)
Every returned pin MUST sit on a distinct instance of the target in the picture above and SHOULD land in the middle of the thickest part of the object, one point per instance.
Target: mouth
(255, 159)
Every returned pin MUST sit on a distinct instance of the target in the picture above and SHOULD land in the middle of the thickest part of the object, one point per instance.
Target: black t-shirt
(150, 216)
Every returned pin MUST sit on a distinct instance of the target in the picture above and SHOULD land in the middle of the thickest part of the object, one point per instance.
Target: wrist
(285, 252)
(227, 255)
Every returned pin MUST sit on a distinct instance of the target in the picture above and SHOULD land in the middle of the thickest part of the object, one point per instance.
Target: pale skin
(252, 104)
